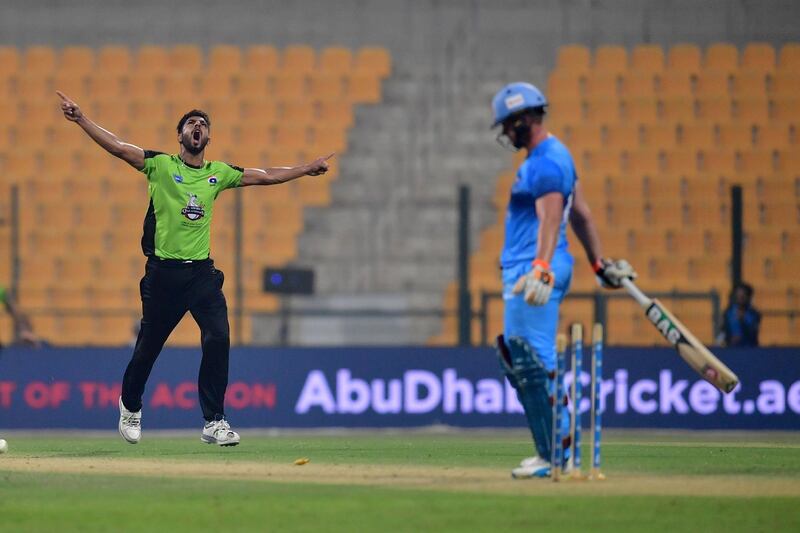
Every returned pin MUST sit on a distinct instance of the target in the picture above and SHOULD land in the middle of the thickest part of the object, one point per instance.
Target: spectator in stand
(741, 320)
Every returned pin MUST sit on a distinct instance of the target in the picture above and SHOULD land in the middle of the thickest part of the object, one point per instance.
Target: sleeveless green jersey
(178, 221)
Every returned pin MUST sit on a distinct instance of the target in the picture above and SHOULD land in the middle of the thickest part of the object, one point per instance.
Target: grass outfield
(405, 481)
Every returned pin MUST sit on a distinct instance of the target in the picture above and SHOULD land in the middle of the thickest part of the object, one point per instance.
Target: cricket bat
(689, 348)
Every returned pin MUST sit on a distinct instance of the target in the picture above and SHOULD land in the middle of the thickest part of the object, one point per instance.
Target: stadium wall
(388, 387)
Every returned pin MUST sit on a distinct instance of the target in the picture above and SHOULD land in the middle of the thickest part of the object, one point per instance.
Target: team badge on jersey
(212, 181)
(193, 210)
(178, 178)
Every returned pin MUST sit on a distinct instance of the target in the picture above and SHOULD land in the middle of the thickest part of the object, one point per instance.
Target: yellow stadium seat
(9, 61)
(641, 162)
(225, 59)
(297, 112)
(622, 136)
(720, 161)
(756, 162)
(566, 112)
(602, 110)
(751, 110)
(375, 60)
(684, 58)
(216, 84)
(585, 137)
(253, 86)
(113, 59)
(789, 57)
(58, 163)
(675, 83)
(144, 88)
(638, 84)
(722, 56)
(759, 56)
(364, 89)
(111, 113)
(681, 161)
(326, 87)
(146, 107)
(786, 108)
(602, 162)
(179, 86)
(698, 136)
(77, 60)
(149, 136)
(291, 86)
(224, 112)
(293, 136)
(258, 110)
(714, 108)
(41, 59)
(20, 164)
(262, 59)
(573, 58)
(659, 135)
(678, 109)
(773, 136)
(611, 58)
(186, 58)
(33, 85)
(735, 136)
(647, 58)
(336, 60)
(785, 83)
(152, 60)
(788, 161)
(313, 193)
(107, 85)
(749, 83)
(298, 59)
(639, 110)
(564, 85)
(328, 138)
(712, 83)
(42, 113)
(601, 84)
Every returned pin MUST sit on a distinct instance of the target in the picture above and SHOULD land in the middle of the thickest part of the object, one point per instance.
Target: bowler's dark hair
(193, 113)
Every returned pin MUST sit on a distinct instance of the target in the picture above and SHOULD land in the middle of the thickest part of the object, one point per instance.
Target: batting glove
(610, 272)
(536, 284)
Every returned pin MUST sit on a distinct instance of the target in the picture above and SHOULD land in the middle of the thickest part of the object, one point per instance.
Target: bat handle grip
(634, 291)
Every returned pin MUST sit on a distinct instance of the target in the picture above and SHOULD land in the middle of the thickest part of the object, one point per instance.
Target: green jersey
(178, 221)
(3, 294)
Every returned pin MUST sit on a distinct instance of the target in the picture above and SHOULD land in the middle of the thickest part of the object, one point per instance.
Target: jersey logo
(178, 178)
(212, 181)
(193, 210)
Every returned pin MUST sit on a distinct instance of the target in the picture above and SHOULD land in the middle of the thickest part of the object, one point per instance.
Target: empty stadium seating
(658, 137)
(81, 259)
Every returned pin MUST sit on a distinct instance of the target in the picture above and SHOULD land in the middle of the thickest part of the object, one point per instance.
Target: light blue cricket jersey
(549, 168)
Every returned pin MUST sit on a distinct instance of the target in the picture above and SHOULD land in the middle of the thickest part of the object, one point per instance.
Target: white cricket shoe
(130, 424)
(531, 467)
(219, 432)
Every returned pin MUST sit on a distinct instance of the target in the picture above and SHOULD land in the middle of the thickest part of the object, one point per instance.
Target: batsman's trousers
(169, 289)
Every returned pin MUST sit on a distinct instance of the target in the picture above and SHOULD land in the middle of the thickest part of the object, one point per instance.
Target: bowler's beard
(186, 142)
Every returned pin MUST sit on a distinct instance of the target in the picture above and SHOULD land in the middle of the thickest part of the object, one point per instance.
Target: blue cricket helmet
(514, 98)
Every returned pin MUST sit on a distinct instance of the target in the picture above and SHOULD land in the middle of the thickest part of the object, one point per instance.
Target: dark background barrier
(388, 387)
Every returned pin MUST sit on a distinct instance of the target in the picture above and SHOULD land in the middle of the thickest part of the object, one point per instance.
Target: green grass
(70, 502)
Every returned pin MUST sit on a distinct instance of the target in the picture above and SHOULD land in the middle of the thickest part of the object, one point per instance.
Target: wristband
(541, 263)
(597, 266)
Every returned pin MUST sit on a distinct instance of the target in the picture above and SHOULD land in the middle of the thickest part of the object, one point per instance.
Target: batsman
(536, 263)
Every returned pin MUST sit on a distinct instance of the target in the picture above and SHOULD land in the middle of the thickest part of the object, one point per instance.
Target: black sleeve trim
(148, 154)
(234, 167)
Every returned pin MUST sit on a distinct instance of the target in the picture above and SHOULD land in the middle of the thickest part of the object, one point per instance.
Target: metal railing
(600, 300)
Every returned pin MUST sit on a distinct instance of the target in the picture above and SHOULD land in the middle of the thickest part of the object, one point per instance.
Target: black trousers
(169, 289)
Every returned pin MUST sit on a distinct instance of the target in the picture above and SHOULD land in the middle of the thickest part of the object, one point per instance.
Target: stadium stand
(658, 143)
(268, 107)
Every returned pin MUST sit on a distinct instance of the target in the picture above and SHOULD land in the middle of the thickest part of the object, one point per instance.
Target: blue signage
(389, 387)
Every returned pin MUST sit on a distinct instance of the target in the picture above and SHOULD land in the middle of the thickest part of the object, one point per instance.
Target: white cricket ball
(3, 446)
